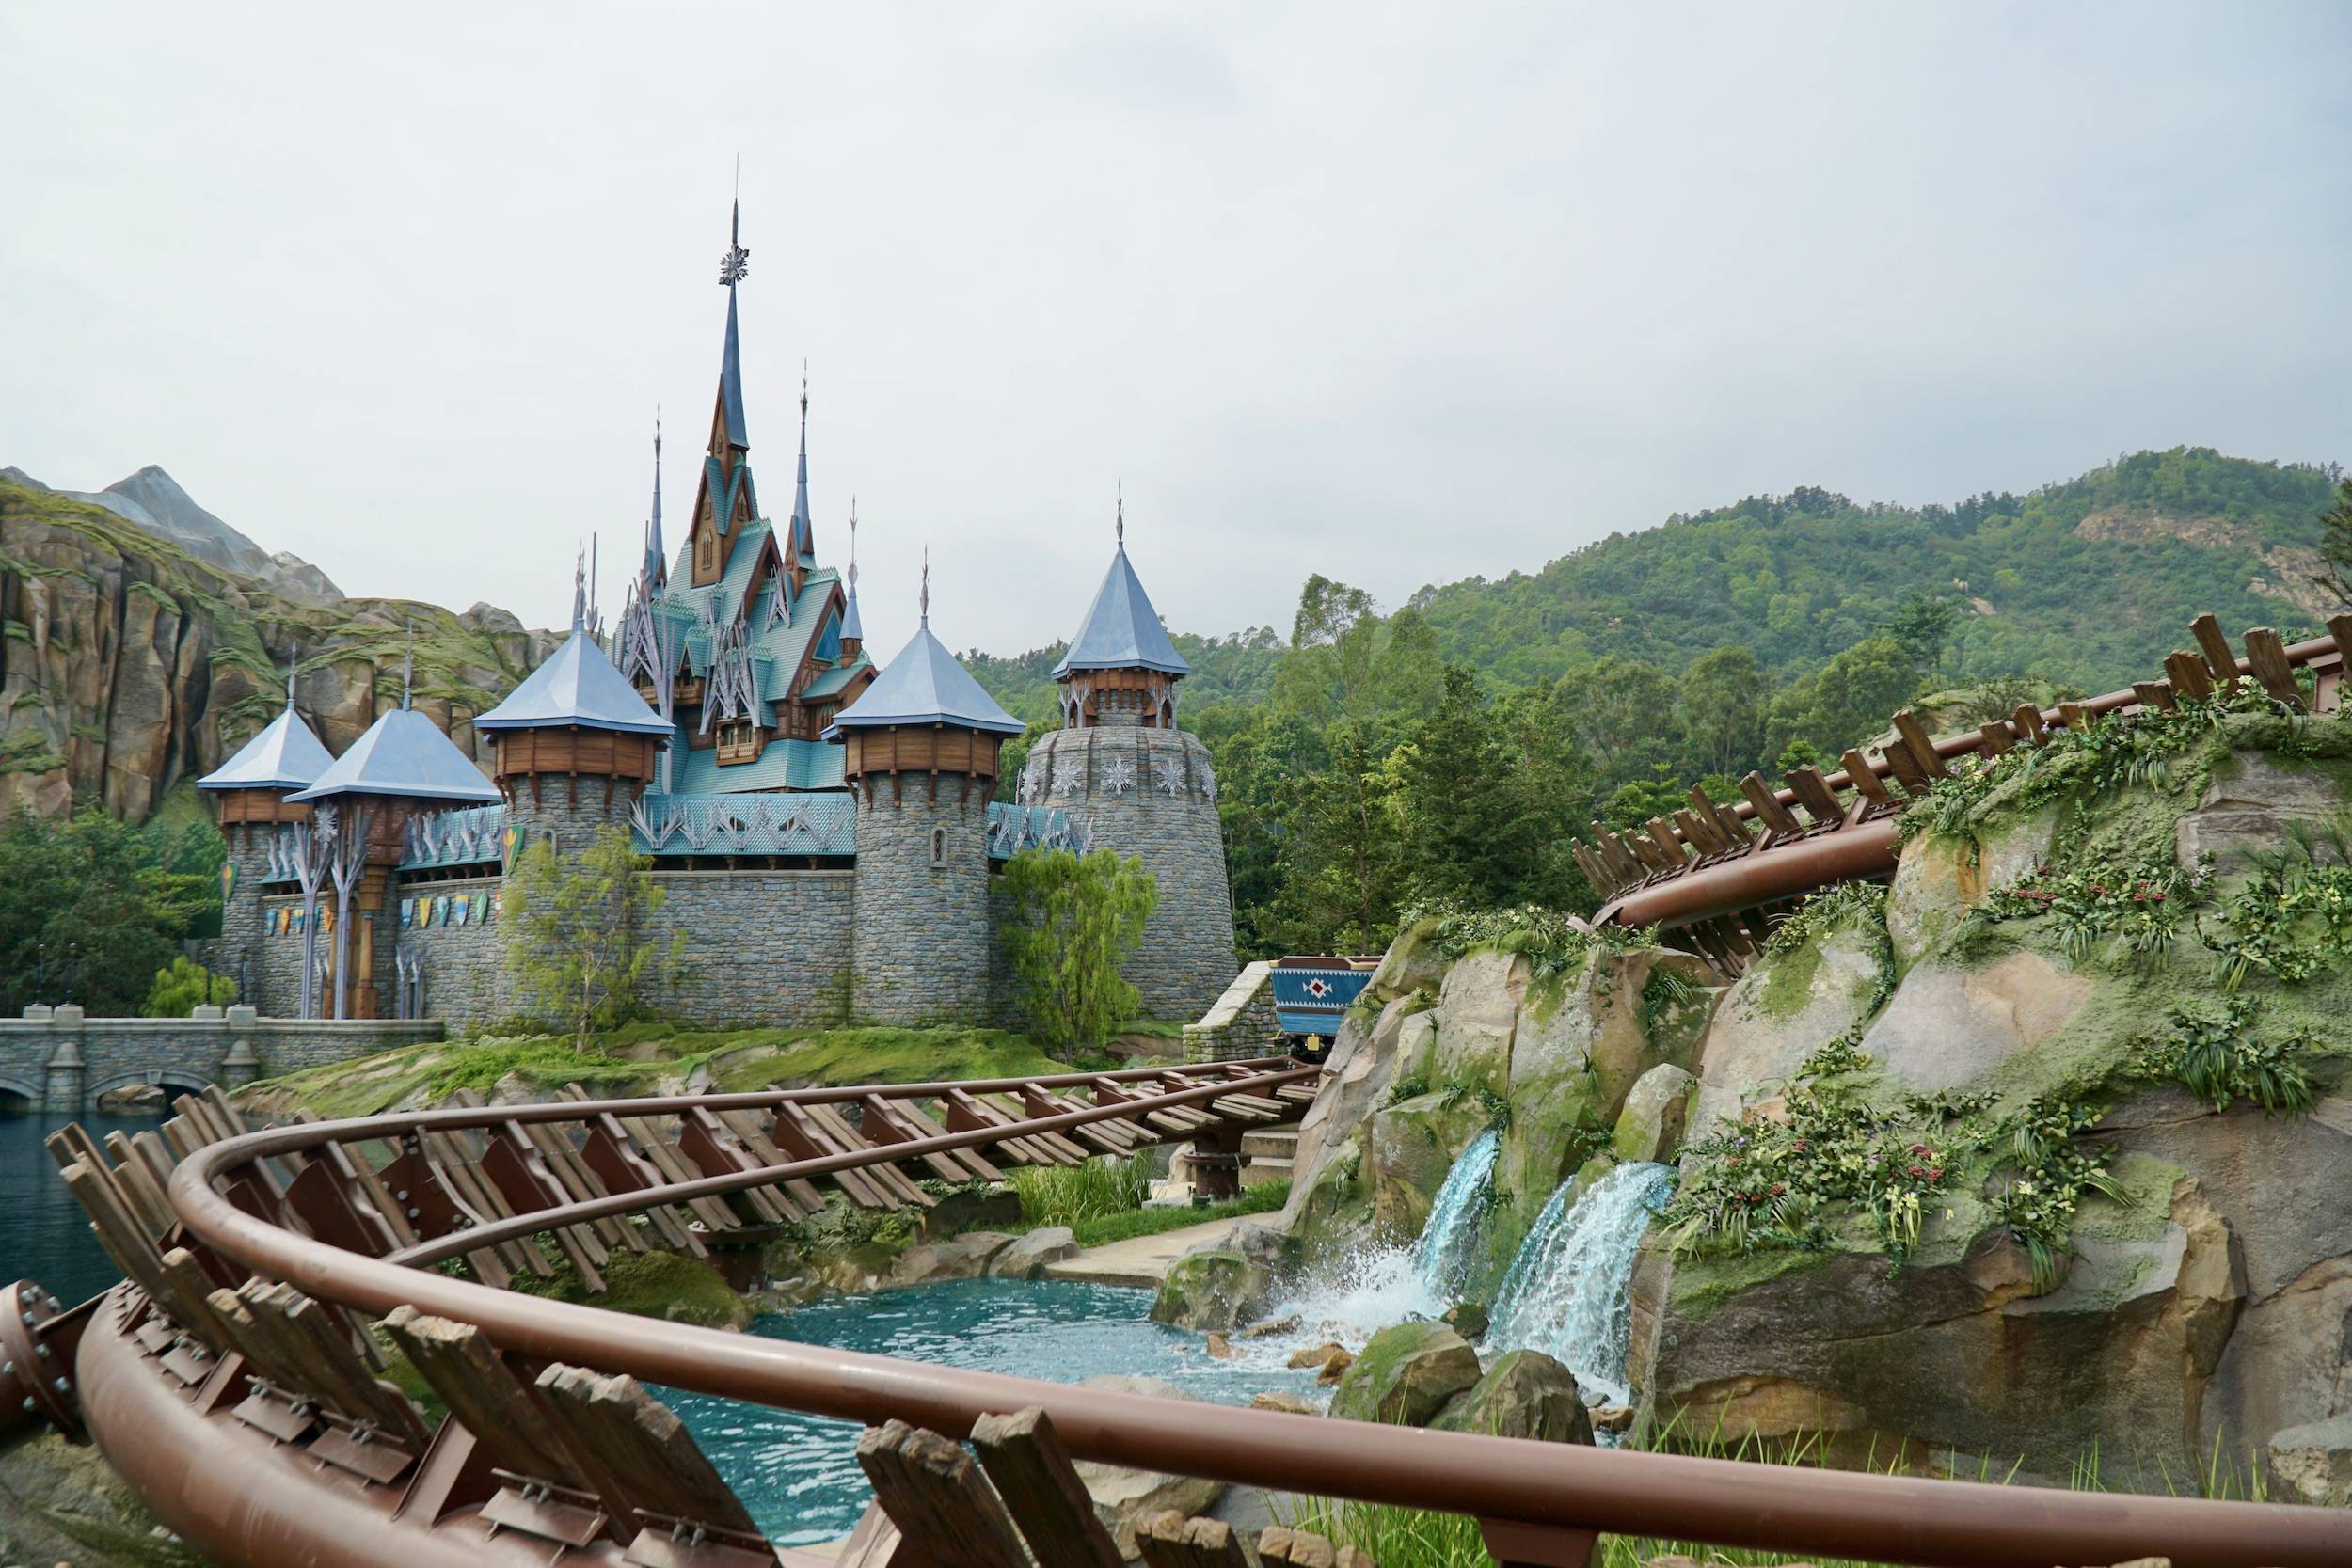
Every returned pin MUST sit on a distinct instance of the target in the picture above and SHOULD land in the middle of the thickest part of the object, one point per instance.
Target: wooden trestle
(1719, 877)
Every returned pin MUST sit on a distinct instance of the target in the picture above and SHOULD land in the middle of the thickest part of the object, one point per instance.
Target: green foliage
(2292, 920)
(2335, 546)
(1496, 1104)
(1263, 1198)
(183, 986)
(1075, 919)
(1667, 991)
(95, 908)
(1554, 942)
(2217, 1059)
(1065, 1195)
(577, 936)
(1408, 1086)
(2140, 908)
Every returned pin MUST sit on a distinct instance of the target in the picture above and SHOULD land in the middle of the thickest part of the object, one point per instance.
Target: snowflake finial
(294, 661)
(1122, 515)
(579, 587)
(925, 603)
(408, 667)
(853, 542)
(737, 261)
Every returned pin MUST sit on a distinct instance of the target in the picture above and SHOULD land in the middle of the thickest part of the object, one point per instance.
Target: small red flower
(1778, 1189)
(1935, 1173)
(1917, 1171)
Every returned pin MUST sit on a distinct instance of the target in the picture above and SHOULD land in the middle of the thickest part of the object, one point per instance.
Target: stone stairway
(1271, 1151)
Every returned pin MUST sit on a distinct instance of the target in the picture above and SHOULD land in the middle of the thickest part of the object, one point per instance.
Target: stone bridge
(57, 1059)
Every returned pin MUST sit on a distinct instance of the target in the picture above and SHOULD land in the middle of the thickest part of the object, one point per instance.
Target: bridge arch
(171, 1079)
(14, 1087)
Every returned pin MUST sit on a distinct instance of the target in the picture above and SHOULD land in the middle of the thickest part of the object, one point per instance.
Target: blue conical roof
(853, 624)
(285, 755)
(1122, 630)
(731, 381)
(579, 686)
(403, 753)
(925, 685)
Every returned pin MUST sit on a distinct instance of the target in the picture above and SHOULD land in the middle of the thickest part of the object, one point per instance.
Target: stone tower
(1139, 786)
(920, 757)
(250, 790)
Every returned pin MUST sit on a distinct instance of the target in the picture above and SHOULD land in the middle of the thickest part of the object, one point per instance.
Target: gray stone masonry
(762, 948)
(238, 949)
(1241, 1026)
(571, 810)
(1151, 794)
(62, 1061)
(924, 940)
(464, 966)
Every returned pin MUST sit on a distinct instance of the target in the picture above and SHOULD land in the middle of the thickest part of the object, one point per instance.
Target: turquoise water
(44, 1235)
(799, 1475)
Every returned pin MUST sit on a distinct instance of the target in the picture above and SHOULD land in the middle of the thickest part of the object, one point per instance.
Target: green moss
(651, 1284)
(1788, 980)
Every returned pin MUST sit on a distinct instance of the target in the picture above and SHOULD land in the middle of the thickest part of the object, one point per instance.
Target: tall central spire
(656, 569)
(724, 499)
(803, 532)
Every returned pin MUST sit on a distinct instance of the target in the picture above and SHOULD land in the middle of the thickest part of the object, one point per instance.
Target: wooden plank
(633, 1436)
(1726, 825)
(1032, 1471)
(2186, 673)
(1866, 783)
(343, 1377)
(939, 1498)
(2154, 696)
(1769, 810)
(1993, 739)
(484, 1394)
(890, 1122)
(1814, 794)
(1920, 744)
(799, 1135)
(750, 1128)
(1603, 883)
(1169, 1540)
(562, 1161)
(2268, 656)
(2340, 627)
(713, 1148)
(139, 1186)
(1699, 835)
(1612, 849)
(2219, 658)
(900, 1187)
(1906, 770)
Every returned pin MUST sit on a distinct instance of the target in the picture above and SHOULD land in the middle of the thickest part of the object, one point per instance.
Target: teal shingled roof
(783, 765)
(1122, 630)
(578, 686)
(285, 755)
(925, 685)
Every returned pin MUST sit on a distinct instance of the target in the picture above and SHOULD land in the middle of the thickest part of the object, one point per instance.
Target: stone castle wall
(466, 983)
(925, 939)
(1151, 794)
(762, 948)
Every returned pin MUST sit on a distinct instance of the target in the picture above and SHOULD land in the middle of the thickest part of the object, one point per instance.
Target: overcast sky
(1398, 294)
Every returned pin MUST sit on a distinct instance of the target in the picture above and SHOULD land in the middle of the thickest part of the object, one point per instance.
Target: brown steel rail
(1540, 1503)
(1702, 868)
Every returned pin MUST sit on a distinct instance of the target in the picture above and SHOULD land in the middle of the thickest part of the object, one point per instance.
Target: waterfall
(1568, 1292)
(1448, 1248)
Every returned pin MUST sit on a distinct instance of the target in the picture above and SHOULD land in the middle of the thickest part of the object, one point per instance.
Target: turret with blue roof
(925, 715)
(285, 755)
(1121, 668)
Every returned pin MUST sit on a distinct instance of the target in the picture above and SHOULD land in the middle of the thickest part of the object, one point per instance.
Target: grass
(1074, 1194)
(1415, 1538)
(1262, 1199)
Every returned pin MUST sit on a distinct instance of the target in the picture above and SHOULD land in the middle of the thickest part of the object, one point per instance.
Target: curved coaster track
(233, 1379)
(1718, 878)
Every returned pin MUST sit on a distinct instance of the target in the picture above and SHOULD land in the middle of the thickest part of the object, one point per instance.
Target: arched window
(939, 846)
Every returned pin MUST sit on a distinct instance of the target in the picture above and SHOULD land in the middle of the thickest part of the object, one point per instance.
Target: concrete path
(1144, 1260)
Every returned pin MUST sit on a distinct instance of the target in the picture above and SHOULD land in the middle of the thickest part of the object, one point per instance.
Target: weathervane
(1123, 513)
(852, 543)
(408, 667)
(294, 660)
(579, 587)
(926, 600)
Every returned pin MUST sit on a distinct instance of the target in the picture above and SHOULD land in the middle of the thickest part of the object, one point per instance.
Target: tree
(2335, 544)
(1075, 919)
(185, 986)
(1724, 697)
(93, 908)
(577, 934)
(1473, 835)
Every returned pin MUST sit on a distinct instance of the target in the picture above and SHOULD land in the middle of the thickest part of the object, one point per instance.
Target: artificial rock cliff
(131, 666)
(2192, 1310)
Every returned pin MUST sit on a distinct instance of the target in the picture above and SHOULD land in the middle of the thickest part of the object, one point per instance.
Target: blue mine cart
(1311, 995)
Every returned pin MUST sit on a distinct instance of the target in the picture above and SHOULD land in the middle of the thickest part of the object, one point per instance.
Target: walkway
(1142, 1260)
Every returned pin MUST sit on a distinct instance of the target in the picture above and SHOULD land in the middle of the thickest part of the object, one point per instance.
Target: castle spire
(408, 668)
(923, 602)
(1121, 527)
(656, 569)
(804, 531)
(294, 661)
(579, 587)
(852, 625)
(724, 497)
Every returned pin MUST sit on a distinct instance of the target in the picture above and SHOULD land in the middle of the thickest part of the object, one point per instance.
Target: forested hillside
(1448, 748)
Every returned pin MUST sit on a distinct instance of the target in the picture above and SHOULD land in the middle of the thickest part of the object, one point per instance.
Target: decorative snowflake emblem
(1070, 776)
(1166, 777)
(1121, 776)
(1032, 781)
(1208, 782)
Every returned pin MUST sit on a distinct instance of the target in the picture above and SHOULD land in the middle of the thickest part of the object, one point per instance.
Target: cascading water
(1568, 1292)
(1376, 1288)
(1448, 1247)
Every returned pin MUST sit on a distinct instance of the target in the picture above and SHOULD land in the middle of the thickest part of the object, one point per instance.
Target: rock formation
(133, 661)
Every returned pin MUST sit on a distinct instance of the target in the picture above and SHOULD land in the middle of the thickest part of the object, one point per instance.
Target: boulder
(1651, 1126)
(1026, 1256)
(1524, 1394)
(1940, 877)
(1785, 1005)
(964, 1208)
(1289, 1404)
(1411, 1146)
(1478, 1009)
(1122, 1496)
(2311, 1462)
(1217, 1288)
(1468, 1319)
(1411, 963)
(2254, 803)
(1405, 1375)
(964, 1256)
(1320, 1356)
(1595, 1023)
(1950, 1026)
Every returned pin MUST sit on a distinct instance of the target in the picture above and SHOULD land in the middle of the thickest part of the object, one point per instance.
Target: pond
(44, 1235)
(798, 1474)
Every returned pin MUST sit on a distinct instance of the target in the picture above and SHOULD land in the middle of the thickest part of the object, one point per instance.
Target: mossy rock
(1411, 1146)
(652, 1284)
(1405, 1375)
(1524, 1394)
(1217, 1288)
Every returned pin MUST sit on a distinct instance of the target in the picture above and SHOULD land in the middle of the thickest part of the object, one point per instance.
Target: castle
(823, 827)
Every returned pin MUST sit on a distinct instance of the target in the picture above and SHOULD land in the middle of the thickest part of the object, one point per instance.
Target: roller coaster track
(1718, 878)
(232, 1379)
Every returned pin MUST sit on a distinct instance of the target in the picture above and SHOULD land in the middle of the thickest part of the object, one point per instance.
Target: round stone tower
(920, 749)
(1120, 768)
